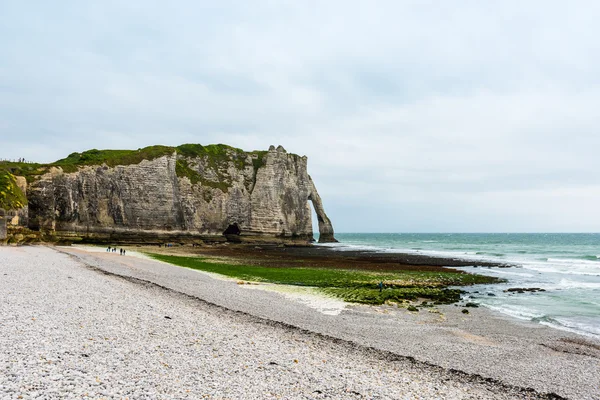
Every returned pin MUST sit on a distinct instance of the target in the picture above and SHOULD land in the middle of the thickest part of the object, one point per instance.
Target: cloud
(415, 115)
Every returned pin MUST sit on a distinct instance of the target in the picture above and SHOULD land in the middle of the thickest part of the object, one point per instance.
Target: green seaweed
(350, 285)
(216, 157)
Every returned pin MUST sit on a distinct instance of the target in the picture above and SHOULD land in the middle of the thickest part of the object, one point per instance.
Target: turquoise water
(567, 266)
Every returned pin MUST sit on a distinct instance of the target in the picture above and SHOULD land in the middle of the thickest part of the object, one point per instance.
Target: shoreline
(333, 305)
(101, 325)
(273, 256)
(482, 343)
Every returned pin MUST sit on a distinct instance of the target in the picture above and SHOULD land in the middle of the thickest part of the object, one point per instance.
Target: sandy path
(69, 330)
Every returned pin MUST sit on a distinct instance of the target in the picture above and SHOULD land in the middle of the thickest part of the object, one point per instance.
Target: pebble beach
(81, 324)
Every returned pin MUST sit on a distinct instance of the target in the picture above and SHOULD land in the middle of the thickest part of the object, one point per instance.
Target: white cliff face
(263, 194)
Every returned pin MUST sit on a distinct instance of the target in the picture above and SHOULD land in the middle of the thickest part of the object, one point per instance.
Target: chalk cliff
(181, 193)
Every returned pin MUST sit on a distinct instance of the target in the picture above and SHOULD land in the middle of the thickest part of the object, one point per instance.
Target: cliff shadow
(232, 233)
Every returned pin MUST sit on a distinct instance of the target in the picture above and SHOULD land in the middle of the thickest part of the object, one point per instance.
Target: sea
(565, 265)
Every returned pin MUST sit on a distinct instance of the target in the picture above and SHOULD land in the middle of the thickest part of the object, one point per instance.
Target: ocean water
(567, 266)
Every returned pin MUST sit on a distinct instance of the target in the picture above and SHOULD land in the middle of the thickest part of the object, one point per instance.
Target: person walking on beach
(380, 286)
(124, 251)
(121, 251)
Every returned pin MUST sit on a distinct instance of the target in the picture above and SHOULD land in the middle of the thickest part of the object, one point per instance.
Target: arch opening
(314, 218)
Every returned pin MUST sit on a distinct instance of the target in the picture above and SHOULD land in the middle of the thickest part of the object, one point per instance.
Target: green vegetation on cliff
(183, 169)
(216, 157)
(111, 158)
(358, 286)
(11, 196)
(29, 170)
(215, 154)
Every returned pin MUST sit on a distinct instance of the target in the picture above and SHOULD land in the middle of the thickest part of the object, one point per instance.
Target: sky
(415, 116)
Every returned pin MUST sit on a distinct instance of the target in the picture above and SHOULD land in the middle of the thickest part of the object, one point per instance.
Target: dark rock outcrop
(523, 290)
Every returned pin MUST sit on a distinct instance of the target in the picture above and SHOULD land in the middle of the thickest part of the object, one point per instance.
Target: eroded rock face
(264, 194)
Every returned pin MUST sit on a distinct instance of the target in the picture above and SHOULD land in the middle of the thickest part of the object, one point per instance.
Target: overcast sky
(416, 116)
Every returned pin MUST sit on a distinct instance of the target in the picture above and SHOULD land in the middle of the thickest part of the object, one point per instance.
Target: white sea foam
(571, 261)
(591, 329)
(570, 284)
(584, 329)
(509, 271)
(574, 267)
(520, 312)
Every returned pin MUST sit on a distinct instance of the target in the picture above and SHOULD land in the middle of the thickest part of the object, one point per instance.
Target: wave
(485, 253)
(588, 328)
(515, 311)
(570, 325)
(569, 284)
(590, 258)
(580, 260)
(509, 271)
(565, 267)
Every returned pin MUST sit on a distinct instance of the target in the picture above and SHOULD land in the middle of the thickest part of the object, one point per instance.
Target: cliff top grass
(358, 286)
(11, 196)
(215, 154)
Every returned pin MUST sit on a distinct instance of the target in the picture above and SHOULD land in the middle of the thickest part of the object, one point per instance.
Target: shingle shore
(482, 343)
(68, 332)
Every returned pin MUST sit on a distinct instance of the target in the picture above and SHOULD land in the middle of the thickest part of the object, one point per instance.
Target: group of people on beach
(114, 250)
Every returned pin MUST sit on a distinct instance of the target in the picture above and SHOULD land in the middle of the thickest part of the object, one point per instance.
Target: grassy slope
(11, 196)
(216, 154)
(350, 285)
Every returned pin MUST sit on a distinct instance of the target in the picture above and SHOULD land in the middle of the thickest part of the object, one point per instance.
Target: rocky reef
(185, 193)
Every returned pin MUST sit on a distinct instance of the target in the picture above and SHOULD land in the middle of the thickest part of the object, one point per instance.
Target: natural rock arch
(325, 226)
